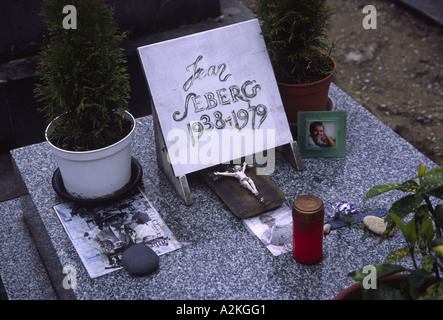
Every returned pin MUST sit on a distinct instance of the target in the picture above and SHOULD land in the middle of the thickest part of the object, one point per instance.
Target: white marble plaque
(215, 95)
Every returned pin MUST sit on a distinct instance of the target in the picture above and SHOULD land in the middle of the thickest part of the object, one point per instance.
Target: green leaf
(410, 234)
(426, 230)
(408, 186)
(366, 234)
(398, 222)
(405, 205)
(421, 170)
(433, 292)
(418, 277)
(427, 263)
(382, 270)
(413, 282)
(398, 255)
(379, 189)
(437, 246)
(431, 180)
(438, 193)
(390, 226)
(437, 241)
(383, 292)
(439, 215)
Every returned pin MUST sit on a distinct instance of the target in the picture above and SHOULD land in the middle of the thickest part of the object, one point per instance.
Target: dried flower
(342, 210)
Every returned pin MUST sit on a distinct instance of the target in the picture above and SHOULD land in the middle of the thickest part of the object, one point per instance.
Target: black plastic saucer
(136, 175)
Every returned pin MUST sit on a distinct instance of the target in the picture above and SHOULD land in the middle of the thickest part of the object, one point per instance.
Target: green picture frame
(322, 134)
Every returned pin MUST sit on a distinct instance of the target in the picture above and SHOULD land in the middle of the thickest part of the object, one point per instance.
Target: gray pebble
(140, 260)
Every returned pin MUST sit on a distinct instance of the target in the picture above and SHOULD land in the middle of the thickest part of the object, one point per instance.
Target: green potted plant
(295, 33)
(83, 84)
(422, 232)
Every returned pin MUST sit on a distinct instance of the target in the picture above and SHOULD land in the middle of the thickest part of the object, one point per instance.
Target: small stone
(353, 56)
(376, 225)
(140, 260)
(232, 11)
(326, 228)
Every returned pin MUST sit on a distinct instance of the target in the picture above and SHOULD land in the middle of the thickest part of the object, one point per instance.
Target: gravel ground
(395, 71)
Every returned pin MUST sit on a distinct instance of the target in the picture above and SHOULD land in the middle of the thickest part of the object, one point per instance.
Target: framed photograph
(322, 134)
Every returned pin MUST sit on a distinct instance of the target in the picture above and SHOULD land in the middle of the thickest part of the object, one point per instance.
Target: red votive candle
(307, 225)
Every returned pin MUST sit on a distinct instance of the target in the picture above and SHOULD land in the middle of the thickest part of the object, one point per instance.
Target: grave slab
(220, 258)
(23, 274)
(432, 9)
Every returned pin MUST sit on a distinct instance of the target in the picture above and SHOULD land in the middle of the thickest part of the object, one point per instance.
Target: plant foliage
(83, 76)
(295, 33)
(422, 234)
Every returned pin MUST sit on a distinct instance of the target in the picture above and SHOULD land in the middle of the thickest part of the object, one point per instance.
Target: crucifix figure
(245, 181)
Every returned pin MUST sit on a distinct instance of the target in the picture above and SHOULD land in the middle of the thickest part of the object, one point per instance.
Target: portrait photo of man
(321, 134)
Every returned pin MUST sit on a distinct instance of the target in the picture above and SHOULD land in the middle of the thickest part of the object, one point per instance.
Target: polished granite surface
(220, 259)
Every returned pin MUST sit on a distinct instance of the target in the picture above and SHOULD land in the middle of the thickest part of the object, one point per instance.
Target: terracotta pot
(305, 97)
(354, 292)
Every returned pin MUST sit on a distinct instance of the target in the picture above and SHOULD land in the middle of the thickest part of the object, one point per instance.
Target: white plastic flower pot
(98, 173)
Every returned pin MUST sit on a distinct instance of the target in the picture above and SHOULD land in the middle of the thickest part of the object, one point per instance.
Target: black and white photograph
(273, 228)
(102, 234)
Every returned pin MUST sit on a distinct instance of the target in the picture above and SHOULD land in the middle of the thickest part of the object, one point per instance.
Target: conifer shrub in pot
(295, 33)
(83, 84)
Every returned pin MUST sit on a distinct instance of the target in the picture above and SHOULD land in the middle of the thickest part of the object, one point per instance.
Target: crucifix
(245, 181)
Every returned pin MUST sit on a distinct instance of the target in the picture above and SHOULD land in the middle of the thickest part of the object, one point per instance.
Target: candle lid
(307, 204)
